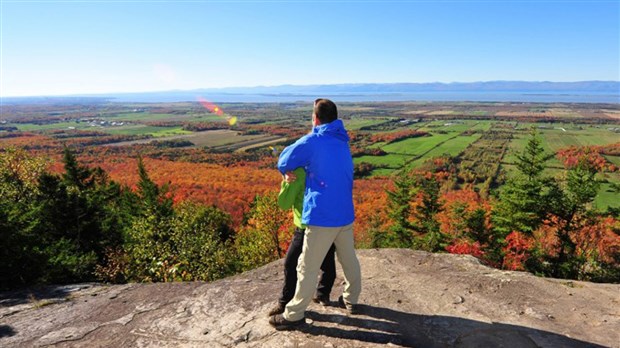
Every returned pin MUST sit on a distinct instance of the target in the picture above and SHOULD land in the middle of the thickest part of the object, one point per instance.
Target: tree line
(81, 226)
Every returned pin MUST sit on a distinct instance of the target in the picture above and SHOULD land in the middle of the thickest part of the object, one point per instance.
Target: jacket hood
(333, 129)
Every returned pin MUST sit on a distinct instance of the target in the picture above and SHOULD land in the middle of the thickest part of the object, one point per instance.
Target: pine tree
(20, 256)
(154, 199)
(399, 212)
(531, 162)
(77, 220)
(522, 203)
(75, 175)
(430, 239)
(574, 204)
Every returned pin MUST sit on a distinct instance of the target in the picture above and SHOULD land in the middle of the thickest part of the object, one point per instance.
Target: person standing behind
(327, 210)
(292, 196)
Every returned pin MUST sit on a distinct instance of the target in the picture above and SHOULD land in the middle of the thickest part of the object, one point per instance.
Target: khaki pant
(316, 244)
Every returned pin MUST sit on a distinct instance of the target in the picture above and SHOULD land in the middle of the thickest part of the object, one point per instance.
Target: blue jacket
(325, 155)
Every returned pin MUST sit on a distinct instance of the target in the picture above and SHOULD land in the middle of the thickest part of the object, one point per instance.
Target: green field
(447, 138)
(390, 161)
(451, 147)
(556, 139)
(357, 123)
(127, 129)
(614, 159)
(607, 197)
(140, 129)
(31, 127)
(415, 146)
(148, 117)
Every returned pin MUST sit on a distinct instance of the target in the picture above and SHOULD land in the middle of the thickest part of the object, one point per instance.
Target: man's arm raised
(295, 155)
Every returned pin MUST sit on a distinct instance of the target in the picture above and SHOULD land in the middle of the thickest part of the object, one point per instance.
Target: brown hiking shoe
(350, 307)
(280, 323)
(323, 300)
(278, 309)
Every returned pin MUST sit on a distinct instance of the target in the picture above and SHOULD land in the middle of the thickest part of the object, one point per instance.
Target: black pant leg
(328, 274)
(290, 265)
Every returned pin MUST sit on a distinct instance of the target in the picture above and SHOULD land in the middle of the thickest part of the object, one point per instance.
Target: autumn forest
(93, 190)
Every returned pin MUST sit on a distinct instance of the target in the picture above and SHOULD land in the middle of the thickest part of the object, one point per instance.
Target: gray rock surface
(410, 298)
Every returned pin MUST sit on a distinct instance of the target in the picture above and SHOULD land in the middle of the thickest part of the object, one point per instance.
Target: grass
(142, 116)
(382, 172)
(555, 139)
(606, 197)
(451, 147)
(391, 161)
(357, 123)
(482, 125)
(435, 145)
(140, 129)
(31, 127)
(416, 146)
(130, 129)
(400, 152)
(210, 138)
(613, 159)
(430, 126)
(227, 137)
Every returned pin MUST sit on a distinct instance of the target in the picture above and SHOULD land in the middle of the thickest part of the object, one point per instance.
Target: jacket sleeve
(295, 155)
(290, 191)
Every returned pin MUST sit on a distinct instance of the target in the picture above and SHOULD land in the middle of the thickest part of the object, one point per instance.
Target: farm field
(557, 138)
(607, 197)
(146, 130)
(614, 159)
(451, 147)
(133, 117)
(357, 123)
(482, 138)
(211, 138)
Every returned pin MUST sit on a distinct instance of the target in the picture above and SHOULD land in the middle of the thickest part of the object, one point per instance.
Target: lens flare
(210, 106)
(214, 109)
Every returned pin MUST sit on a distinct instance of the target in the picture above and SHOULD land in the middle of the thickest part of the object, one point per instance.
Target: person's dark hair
(325, 110)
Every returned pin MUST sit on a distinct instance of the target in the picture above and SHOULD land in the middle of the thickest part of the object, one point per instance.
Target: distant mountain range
(539, 91)
(489, 86)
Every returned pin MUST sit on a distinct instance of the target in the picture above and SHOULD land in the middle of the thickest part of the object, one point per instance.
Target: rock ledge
(409, 298)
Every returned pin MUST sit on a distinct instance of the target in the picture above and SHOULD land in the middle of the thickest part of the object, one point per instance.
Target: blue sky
(80, 47)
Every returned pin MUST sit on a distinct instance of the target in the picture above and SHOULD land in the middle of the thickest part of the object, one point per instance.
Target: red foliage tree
(517, 251)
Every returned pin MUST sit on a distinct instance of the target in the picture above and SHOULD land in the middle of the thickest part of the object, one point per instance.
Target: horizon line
(102, 94)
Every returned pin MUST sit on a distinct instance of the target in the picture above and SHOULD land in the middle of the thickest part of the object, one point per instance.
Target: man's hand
(289, 177)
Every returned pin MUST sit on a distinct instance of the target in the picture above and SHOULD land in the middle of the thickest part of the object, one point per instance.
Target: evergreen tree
(154, 200)
(20, 256)
(77, 220)
(523, 202)
(76, 176)
(399, 212)
(430, 238)
(573, 204)
(531, 162)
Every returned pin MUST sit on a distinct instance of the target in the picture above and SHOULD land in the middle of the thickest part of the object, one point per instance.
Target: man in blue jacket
(327, 210)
